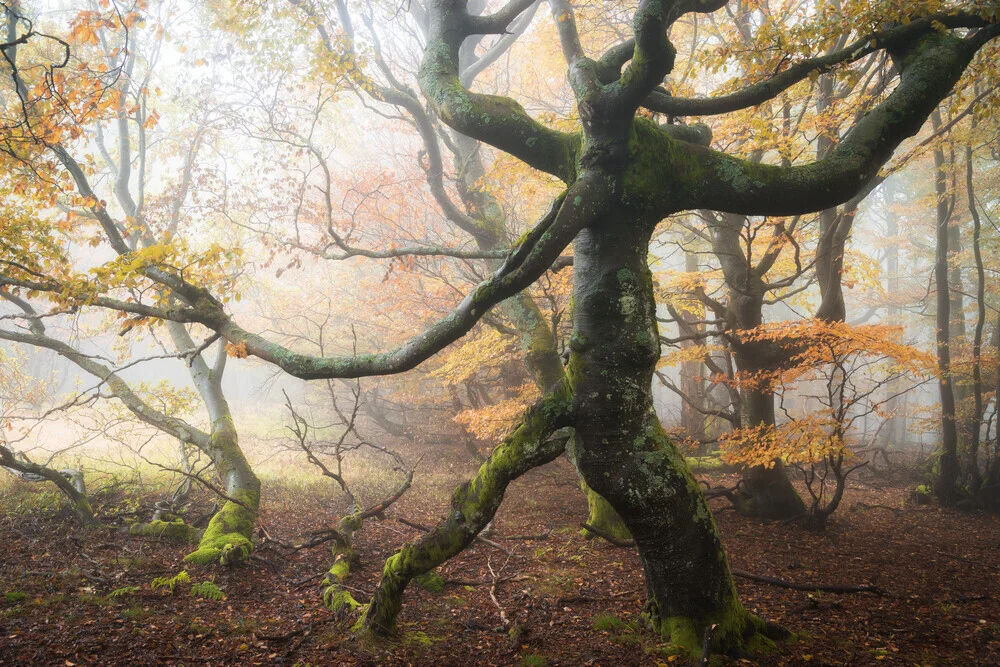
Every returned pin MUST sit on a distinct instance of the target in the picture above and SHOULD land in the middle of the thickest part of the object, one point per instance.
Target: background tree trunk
(946, 481)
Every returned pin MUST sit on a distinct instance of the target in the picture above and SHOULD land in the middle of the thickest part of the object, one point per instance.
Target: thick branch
(583, 203)
(726, 183)
(760, 92)
(495, 120)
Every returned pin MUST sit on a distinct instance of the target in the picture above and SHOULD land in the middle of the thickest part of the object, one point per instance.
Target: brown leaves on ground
(75, 597)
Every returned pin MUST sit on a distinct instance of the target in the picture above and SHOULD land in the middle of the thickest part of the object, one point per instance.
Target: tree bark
(624, 454)
(538, 340)
(946, 481)
(473, 506)
(227, 539)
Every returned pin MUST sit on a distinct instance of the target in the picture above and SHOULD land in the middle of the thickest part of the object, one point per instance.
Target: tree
(841, 373)
(21, 391)
(111, 89)
(623, 173)
(473, 212)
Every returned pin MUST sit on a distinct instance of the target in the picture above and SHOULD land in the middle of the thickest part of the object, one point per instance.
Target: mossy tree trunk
(624, 453)
(544, 364)
(74, 489)
(641, 172)
(538, 338)
(473, 506)
(337, 596)
(600, 514)
(227, 539)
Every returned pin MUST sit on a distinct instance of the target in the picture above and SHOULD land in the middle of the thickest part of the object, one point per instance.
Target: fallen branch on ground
(308, 627)
(527, 538)
(311, 577)
(486, 582)
(823, 588)
(493, 594)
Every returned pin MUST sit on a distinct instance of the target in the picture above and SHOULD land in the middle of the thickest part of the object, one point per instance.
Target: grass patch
(135, 614)
(623, 633)
(14, 597)
(610, 623)
(419, 639)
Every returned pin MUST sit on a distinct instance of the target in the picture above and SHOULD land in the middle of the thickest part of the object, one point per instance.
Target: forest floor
(81, 597)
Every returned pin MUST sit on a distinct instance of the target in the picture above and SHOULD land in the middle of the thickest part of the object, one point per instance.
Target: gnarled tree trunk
(71, 483)
(623, 452)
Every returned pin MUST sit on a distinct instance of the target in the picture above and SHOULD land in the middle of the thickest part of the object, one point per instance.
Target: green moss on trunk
(336, 597)
(603, 517)
(227, 539)
(736, 633)
(170, 530)
(623, 452)
(473, 506)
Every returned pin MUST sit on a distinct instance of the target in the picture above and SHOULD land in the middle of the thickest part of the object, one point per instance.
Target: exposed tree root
(227, 541)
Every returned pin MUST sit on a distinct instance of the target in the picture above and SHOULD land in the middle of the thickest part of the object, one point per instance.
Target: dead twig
(493, 594)
(527, 538)
(302, 630)
(484, 582)
(302, 582)
(823, 588)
